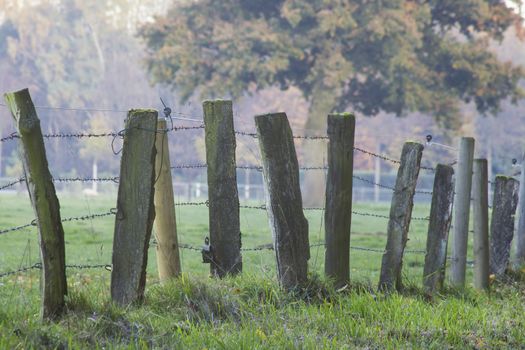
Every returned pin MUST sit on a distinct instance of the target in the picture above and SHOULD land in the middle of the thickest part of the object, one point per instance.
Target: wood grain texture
(438, 227)
(44, 201)
(135, 208)
(338, 207)
(223, 197)
(502, 225)
(283, 199)
(400, 215)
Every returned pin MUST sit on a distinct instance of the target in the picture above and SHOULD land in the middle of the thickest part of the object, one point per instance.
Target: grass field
(248, 311)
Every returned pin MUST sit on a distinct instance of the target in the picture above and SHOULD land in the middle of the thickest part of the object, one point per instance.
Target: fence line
(114, 135)
(262, 247)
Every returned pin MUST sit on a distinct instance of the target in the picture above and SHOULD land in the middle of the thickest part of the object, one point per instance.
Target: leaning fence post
(480, 206)
(168, 260)
(223, 197)
(135, 208)
(520, 232)
(400, 215)
(338, 208)
(45, 203)
(462, 211)
(283, 198)
(438, 227)
(502, 225)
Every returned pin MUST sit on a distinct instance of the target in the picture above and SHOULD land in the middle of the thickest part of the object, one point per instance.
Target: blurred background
(405, 68)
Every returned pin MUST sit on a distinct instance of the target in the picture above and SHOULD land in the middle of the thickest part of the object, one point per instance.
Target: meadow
(248, 311)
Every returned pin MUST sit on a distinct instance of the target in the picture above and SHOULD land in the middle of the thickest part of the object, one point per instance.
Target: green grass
(249, 311)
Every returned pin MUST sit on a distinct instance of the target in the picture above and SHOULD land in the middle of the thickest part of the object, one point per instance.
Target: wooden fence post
(400, 215)
(480, 204)
(223, 197)
(135, 208)
(338, 208)
(165, 224)
(462, 211)
(520, 232)
(502, 225)
(283, 198)
(44, 201)
(438, 227)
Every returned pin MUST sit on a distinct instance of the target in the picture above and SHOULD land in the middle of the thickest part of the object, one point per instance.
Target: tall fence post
(223, 197)
(400, 215)
(502, 225)
(520, 232)
(283, 198)
(165, 224)
(462, 211)
(135, 208)
(438, 227)
(45, 203)
(338, 208)
(480, 206)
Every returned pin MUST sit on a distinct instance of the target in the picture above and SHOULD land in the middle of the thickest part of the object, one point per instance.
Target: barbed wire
(38, 266)
(112, 211)
(114, 179)
(263, 207)
(11, 184)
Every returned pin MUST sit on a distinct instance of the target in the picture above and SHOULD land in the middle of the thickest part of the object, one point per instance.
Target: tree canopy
(395, 56)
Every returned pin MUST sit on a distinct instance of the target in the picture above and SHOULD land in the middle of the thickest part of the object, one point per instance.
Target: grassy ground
(249, 311)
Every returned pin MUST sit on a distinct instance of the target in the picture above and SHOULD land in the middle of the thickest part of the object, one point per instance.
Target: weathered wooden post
(338, 208)
(462, 211)
(438, 227)
(480, 204)
(283, 198)
(502, 225)
(400, 215)
(520, 232)
(44, 201)
(165, 224)
(223, 197)
(135, 207)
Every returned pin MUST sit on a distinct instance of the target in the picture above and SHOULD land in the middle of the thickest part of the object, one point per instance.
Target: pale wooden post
(338, 208)
(462, 211)
(135, 208)
(400, 215)
(502, 225)
(283, 198)
(438, 227)
(165, 224)
(45, 203)
(223, 197)
(520, 232)
(480, 204)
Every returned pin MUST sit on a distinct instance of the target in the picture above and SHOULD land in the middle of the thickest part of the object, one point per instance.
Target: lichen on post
(44, 201)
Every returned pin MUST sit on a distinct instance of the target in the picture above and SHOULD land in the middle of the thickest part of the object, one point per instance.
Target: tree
(394, 56)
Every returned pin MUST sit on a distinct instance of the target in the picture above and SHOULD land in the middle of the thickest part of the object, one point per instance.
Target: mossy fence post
(338, 208)
(223, 197)
(462, 211)
(502, 225)
(438, 227)
(520, 232)
(165, 224)
(480, 206)
(45, 203)
(135, 208)
(400, 215)
(283, 198)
